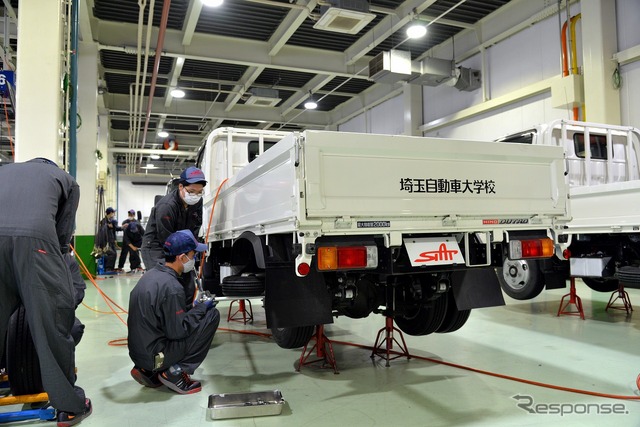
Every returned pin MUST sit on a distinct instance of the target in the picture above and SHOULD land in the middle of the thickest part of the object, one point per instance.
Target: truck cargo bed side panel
(384, 176)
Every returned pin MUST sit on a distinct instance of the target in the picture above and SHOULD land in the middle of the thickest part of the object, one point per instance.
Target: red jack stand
(622, 295)
(387, 341)
(247, 315)
(322, 343)
(573, 299)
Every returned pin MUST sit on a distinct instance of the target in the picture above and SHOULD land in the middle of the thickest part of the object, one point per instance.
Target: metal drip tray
(238, 405)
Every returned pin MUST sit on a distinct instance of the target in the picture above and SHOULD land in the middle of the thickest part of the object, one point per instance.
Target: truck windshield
(254, 148)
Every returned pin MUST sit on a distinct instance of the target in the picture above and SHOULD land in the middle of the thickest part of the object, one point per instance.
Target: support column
(599, 44)
(39, 79)
(412, 99)
(87, 133)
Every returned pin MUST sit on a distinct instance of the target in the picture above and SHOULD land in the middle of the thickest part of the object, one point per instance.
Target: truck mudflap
(476, 288)
(292, 301)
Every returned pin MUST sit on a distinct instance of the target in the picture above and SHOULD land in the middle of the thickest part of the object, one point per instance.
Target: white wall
(525, 58)
(138, 197)
(385, 118)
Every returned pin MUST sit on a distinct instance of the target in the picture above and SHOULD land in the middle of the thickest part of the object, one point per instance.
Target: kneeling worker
(167, 342)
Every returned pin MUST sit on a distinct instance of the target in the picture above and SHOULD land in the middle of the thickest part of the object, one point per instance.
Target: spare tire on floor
(23, 367)
(245, 285)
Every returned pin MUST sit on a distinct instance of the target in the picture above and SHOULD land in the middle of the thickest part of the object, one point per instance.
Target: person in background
(167, 341)
(38, 203)
(133, 233)
(179, 210)
(108, 231)
(125, 243)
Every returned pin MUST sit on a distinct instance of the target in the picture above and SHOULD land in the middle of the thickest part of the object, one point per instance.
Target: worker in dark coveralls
(38, 203)
(126, 249)
(179, 210)
(167, 341)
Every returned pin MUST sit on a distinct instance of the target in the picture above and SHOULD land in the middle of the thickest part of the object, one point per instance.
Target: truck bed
(336, 181)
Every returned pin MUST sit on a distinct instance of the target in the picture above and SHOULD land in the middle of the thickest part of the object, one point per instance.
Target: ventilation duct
(433, 71)
(465, 79)
(263, 97)
(390, 67)
(344, 16)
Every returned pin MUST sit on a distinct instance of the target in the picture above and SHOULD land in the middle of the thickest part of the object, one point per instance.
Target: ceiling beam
(229, 50)
(289, 25)
(10, 11)
(191, 21)
(385, 28)
(173, 80)
(243, 85)
(171, 153)
(312, 86)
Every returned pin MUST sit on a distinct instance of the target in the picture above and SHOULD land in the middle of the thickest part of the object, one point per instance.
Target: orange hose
(206, 237)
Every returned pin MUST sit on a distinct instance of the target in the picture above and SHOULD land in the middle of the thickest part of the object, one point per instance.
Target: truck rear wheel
(295, 337)
(520, 279)
(245, 285)
(424, 319)
(601, 285)
(454, 319)
(23, 366)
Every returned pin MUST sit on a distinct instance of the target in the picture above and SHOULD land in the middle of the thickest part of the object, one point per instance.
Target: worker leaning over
(168, 341)
(38, 203)
(179, 210)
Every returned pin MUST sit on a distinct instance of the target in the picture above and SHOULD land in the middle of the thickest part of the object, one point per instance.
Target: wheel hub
(516, 274)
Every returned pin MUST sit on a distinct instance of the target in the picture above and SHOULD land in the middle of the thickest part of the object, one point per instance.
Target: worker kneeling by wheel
(167, 341)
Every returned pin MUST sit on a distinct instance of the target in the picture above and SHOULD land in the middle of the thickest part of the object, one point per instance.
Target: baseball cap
(132, 212)
(110, 210)
(193, 175)
(182, 242)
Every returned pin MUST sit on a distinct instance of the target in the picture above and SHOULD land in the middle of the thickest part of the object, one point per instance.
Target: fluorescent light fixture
(150, 166)
(163, 134)
(154, 156)
(311, 105)
(212, 3)
(177, 93)
(416, 31)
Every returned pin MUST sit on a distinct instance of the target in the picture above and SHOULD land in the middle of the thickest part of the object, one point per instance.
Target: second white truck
(331, 224)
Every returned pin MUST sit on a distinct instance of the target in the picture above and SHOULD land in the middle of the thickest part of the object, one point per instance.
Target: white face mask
(191, 199)
(189, 265)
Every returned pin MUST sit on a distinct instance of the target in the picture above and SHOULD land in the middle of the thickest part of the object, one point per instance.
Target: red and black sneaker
(179, 381)
(145, 378)
(66, 419)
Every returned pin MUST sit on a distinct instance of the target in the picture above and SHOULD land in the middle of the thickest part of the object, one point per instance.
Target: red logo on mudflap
(442, 254)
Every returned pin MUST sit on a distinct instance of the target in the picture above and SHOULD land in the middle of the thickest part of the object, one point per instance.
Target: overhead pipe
(73, 108)
(142, 4)
(565, 54)
(156, 67)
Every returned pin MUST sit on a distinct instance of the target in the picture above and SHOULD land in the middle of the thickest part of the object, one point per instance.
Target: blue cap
(193, 175)
(110, 210)
(132, 212)
(182, 242)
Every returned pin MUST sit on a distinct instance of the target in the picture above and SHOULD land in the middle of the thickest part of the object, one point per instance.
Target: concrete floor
(523, 339)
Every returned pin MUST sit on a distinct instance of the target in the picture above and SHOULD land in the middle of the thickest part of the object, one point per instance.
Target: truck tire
(601, 285)
(245, 285)
(454, 318)
(424, 319)
(292, 337)
(520, 279)
(23, 366)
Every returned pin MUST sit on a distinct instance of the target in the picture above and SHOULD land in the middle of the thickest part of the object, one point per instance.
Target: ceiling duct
(344, 16)
(465, 79)
(263, 97)
(433, 71)
(390, 67)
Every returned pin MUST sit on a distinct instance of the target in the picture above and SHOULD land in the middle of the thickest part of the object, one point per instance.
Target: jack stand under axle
(384, 347)
(622, 295)
(324, 351)
(241, 314)
(574, 299)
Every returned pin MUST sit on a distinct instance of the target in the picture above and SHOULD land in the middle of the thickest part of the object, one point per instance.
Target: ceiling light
(212, 3)
(311, 105)
(154, 156)
(150, 166)
(177, 93)
(163, 134)
(415, 31)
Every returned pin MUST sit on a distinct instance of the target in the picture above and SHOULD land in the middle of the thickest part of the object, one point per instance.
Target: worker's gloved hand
(207, 299)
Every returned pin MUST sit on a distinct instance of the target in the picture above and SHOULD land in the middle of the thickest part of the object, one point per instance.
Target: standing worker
(107, 237)
(179, 210)
(133, 233)
(125, 242)
(168, 341)
(38, 203)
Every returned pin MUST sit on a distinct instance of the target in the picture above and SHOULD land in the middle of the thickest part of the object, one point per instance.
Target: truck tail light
(533, 248)
(346, 257)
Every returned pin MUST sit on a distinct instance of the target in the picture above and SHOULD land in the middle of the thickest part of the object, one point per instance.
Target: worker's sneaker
(145, 378)
(66, 419)
(179, 381)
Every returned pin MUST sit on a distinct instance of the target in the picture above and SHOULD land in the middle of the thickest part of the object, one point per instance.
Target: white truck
(602, 241)
(329, 223)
